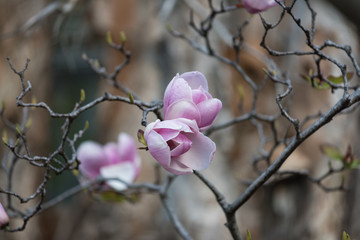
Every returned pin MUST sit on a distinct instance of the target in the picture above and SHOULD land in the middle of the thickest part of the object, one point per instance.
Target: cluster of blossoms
(114, 160)
(4, 218)
(178, 143)
(256, 6)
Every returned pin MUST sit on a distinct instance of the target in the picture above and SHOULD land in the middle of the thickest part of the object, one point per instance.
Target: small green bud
(96, 63)
(86, 125)
(18, 129)
(141, 138)
(5, 137)
(108, 38)
(248, 234)
(3, 105)
(345, 236)
(33, 100)
(82, 95)
(241, 91)
(123, 37)
(17, 142)
(84, 56)
(28, 123)
(168, 27)
(131, 98)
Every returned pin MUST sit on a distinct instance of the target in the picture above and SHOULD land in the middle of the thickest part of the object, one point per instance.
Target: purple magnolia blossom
(4, 218)
(178, 145)
(187, 96)
(113, 160)
(256, 6)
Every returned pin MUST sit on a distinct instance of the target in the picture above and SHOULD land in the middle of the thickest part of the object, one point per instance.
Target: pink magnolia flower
(4, 218)
(187, 96)
(178, 145)
(113, 160)
(256, 6)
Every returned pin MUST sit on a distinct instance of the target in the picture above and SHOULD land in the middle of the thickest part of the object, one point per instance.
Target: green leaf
(248, 234)
(340, 79)
(118, 197)
(108, 38)
(345, 236)
(355, 164)
(82, 95)
(18, 129)
(112, 197)
(141, 138)
(332, 151)
(5, 137)
(241, 91)
(3, 105)
(168, 27)
(131, 98)
(17, 142)
(84, 56)
(123, 37)
(28, 123)
(96, 63)
(86, 125)
(321, 84)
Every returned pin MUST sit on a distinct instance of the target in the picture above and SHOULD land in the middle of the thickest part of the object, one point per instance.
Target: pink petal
(124, 171)
(126, 148)
(182, 145)
(168, 133)
(201, 153)
(92, 157)
(190, 124)
(183, 109)
(150, 127)
(177, 89)
(208, 111)
(195, 80)
(112, 153)
(158, 148)
(178, 168)
(173, 124)
(4, 218)
(256, 6)
(198, 95)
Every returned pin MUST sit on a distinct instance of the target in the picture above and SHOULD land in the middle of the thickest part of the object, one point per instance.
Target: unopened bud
(4, 218)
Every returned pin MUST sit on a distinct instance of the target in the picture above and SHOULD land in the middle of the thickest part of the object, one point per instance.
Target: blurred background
(55, 34)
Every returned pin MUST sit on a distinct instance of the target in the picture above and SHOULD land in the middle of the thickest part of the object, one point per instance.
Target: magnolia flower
(113, 160)
(256, 6)
(178, 145)
(4, 218)
(187, 96)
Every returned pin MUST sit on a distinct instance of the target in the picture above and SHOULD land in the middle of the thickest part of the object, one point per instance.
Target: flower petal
(158, 148)
(182, 145)
(256, 6)
(92, 157)
(112, 153)
(173, 124)
(4, 218)
(201, 153)
(150, 127)
(199, 95)
(183, 109)
(178, 168)
(195, 79)
(208, 111)
(126, 148)
(177, 89)
(123, 171)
